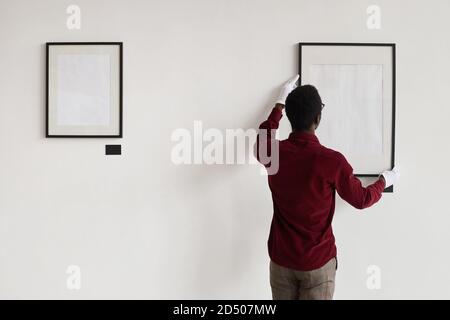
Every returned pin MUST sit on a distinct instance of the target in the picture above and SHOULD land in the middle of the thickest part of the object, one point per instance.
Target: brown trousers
(289, 284)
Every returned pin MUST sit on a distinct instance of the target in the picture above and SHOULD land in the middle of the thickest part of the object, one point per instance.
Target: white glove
(390, 177)
(287, 88)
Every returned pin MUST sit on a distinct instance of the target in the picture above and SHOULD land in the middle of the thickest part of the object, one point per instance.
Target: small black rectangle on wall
(111, 149)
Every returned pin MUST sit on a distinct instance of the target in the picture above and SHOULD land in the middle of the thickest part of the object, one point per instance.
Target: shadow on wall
(224, 261)
(231, 228)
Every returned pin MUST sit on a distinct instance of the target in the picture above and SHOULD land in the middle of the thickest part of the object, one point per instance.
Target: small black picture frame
(109, 58)
(392, 46)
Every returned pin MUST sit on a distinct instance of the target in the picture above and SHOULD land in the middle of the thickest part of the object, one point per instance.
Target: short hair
(303, 105)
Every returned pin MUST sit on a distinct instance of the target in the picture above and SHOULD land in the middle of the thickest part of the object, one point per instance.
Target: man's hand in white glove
(390, 177)
(286, 89)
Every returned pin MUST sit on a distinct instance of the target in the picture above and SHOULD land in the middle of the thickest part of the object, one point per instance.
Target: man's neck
(310, 131)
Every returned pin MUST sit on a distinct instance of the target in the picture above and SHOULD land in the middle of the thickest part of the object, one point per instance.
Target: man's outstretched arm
(350, 189)
(266, 134)
(267, 129)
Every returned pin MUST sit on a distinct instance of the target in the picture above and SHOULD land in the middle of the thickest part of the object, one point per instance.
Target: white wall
(141, 227)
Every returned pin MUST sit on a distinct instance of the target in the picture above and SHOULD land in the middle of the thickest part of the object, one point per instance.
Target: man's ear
(318, 118)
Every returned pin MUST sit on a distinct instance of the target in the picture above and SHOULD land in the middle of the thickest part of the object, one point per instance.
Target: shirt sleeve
(266, 136)
(351, 190)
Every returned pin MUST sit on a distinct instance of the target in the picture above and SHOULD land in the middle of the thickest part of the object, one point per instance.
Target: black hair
(303, 105)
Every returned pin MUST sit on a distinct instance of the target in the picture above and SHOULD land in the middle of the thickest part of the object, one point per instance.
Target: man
(301, 242)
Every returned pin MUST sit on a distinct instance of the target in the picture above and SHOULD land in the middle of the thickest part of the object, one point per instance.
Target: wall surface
(140, 226)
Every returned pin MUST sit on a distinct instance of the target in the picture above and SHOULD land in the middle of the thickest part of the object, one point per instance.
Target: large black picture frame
(120, 98)
(393, 48)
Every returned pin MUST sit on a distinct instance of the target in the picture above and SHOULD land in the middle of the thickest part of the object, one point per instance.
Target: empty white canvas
(353, 95)
(84, 90)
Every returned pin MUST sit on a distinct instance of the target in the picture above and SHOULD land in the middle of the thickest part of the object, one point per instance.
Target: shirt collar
(305, 136)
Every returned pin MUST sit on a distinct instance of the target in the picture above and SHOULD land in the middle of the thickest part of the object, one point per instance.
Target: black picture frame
(120, 45)
(358, 44)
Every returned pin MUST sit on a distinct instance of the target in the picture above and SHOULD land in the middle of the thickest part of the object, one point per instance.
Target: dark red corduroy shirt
(303, 193)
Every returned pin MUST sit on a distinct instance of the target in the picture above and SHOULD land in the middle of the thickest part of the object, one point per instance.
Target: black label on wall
(113, 149)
